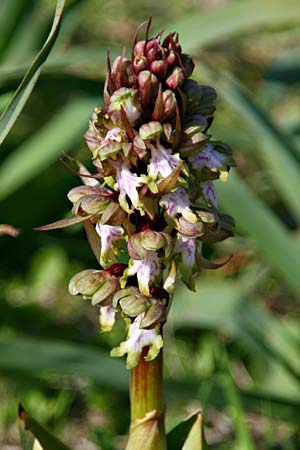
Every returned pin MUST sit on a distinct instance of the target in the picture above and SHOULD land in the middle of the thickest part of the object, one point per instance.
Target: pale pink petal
(146, 269)
(176, 202)
(162, 163)
(108, 234)
(128, 183)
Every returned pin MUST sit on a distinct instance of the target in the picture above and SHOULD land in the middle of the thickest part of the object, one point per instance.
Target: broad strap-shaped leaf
(13, 110)
(204, 28)
(46, 439)
(63, 223)
(187, 435)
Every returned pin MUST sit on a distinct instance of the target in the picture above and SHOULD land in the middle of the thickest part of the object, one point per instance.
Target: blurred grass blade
(258, 221)
(201, 29)
(13, 110)
(275, 147)
(46, 439)
(36, 357)
(243, 437)
(45, 146)
(176, 438)
(11, 12)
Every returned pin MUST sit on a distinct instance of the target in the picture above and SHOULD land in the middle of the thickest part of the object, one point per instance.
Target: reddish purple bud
(139, 63)
(139, 48)
(176, 78)
(169, 101)
(148, 86)
(172, 59)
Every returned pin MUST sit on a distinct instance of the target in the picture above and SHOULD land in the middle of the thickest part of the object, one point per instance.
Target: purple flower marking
(145, 269)
(108, 234)
(128, 183)
(162, 161)
(114, 135)
(176, 202)
(186, 247)
(209, 193)
(208, 158)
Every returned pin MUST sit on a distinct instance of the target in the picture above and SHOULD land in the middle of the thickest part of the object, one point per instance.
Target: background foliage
(233, 347)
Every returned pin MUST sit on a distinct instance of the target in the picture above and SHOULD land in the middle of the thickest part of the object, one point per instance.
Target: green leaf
(274, 147)
(46, 439)
(257, 220)
(44, 147)
(195, 439)
(201, 28)
(13, 110)
(186, 434)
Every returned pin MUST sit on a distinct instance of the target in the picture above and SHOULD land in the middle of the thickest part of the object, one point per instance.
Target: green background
(233, 348)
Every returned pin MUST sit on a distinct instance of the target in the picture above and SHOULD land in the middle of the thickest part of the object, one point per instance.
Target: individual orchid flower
(137, 339)
(107, 318)
(178, 202)
(108, 235)
(162, 162)
(127, 183)
(217, 161)
(145, 269)
(188, 251)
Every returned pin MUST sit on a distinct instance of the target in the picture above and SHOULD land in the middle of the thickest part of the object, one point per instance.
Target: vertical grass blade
(13, 110)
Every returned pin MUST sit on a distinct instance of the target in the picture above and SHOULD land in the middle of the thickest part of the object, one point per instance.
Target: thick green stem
(147, 429)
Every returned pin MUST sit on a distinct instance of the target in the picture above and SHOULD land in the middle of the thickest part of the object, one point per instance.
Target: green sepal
(47, 440)
(187, 435)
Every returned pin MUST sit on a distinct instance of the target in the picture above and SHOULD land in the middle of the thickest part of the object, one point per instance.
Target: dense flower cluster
(155, 202)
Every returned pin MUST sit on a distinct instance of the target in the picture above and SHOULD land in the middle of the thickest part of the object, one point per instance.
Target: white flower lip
(137, 339)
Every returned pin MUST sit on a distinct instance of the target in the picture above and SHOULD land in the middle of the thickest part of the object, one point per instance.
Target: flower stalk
(147, 405)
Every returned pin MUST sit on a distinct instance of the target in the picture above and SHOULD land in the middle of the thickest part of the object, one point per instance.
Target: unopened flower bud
(153, 50)
(122, 72)
(155, 315)
(90, 204)
(86, 282)
(172, 58)
(170, 103)
(139, 63)
(148, 86)
(131, 301)
(176, 78)
(139, 48)
(159, 67)
(189, 229)
(150, 130)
